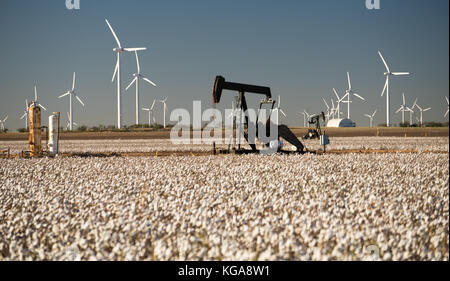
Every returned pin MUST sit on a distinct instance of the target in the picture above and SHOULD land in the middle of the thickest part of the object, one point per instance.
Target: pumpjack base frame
(249, 151)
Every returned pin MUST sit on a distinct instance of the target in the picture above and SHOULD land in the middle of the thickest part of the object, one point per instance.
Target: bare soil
(299, 132)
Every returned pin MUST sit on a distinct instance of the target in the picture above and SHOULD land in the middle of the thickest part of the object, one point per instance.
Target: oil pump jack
(315, 133)
(283, 131)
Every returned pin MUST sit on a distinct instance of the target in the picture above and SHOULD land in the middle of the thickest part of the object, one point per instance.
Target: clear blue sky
(301, 49)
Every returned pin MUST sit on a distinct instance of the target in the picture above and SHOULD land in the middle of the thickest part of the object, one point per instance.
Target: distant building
(336, 123)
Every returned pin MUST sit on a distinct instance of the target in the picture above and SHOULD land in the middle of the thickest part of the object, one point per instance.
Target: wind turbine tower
(164, 110)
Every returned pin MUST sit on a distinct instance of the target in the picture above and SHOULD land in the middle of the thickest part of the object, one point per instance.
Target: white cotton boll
(228, 207)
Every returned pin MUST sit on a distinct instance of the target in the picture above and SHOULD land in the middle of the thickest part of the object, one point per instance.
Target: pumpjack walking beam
(283, 131)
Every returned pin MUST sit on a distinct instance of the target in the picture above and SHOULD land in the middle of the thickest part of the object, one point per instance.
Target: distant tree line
(431, 124)
(112, 128)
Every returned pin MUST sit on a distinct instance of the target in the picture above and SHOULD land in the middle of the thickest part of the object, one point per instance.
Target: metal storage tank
(336, 123)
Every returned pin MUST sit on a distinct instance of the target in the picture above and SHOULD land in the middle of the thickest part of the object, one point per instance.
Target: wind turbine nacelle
(118, 50)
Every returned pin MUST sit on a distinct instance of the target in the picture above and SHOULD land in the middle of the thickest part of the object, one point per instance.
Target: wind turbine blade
(415, 103)
(334, 90)
(385, 64)
(63, 95)
(23, 116)
(68, 115)
(279, 101)
(153, 105)
(400, 109)
(358, 96)
(375, 112)
(73, 83)
(80, 100)
(115, 70)
(367, 115)
(75, 123)
(446, 99)
(282, 112)
(42, 107)
(326, 103)
(26, 104)
(403, 96)
(427, 109)
(147, 80)
(35, 93)
(400, 73)
(132, 82)
(385, 86)
(349, 83)
(446, 113)
(332, 103)
(6, 118)
(134, 49)
(114, 34)
(137, 62)
(146, 109)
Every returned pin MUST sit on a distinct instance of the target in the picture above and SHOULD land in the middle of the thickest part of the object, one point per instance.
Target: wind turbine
(371, 117)
(348, 93)
(411, 113)
(25, 114)
(306, 116)
(328, 109)
(233, 109)
(35, 102)
(278, 108)
(164, 108)
(402, 109)
(119, 50)
(71, 94)
(70, 121)
(421, 111)
(2, 123)
(333, 109)
(446, 113)
(388, 74)
(138, 76)
(150, 111)
(339, 100)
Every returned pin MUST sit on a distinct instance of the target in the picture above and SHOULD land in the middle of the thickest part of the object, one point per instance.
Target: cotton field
(387, 206)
